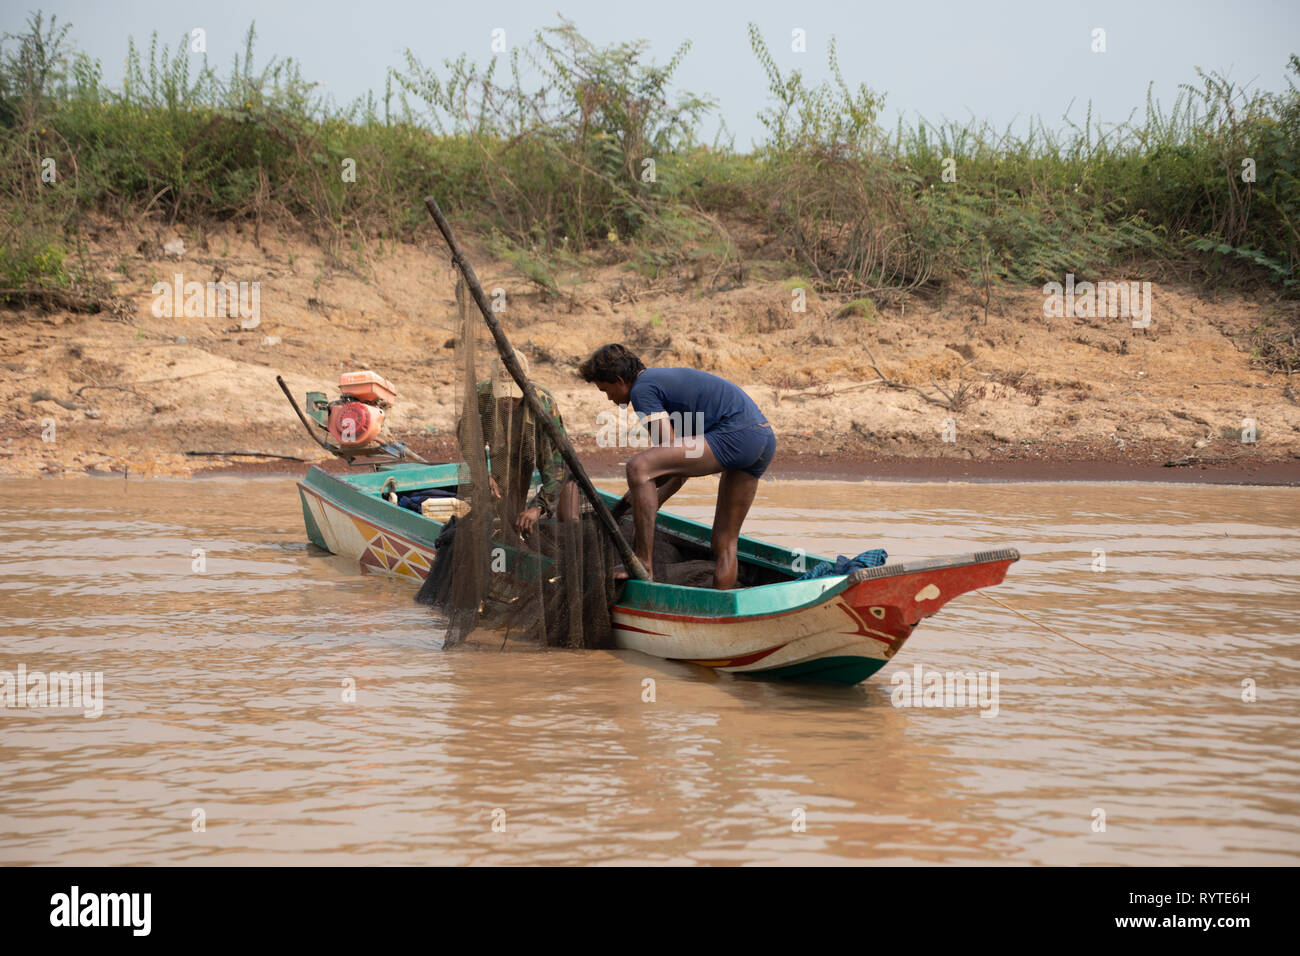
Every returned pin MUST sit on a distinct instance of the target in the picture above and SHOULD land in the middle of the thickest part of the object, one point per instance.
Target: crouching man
(723, 432)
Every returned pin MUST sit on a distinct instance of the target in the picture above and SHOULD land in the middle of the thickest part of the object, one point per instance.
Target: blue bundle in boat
(846, 565)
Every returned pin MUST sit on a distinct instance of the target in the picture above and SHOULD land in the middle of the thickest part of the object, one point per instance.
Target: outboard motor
(351, 424)
(356, 418)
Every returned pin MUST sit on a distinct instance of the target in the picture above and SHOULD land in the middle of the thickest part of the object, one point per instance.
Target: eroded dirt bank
(1036, 396)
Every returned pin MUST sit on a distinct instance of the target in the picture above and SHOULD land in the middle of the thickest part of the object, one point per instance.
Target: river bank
(953, 387)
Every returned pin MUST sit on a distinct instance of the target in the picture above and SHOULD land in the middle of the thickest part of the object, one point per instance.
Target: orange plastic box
(367, 386)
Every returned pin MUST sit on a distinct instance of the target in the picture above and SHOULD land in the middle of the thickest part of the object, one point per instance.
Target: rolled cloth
(846, 565)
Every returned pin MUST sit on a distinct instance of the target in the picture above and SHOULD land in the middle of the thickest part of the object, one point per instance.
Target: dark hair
(611, 363)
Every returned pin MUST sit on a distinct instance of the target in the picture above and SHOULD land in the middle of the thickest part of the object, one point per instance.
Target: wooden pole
(630, 561)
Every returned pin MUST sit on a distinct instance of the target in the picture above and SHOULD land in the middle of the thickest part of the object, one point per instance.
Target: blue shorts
(747, 449)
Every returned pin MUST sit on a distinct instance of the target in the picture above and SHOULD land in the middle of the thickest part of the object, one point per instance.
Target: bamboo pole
(630, 561)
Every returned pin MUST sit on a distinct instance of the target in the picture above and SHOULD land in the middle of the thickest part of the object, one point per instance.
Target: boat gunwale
(663, 600)
(688, 529)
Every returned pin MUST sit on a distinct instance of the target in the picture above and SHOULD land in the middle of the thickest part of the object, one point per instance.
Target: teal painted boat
(841, 628)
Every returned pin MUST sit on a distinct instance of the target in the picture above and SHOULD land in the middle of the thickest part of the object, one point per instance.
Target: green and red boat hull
(841, 628)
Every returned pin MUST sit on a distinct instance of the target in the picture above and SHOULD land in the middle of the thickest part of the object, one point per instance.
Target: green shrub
(550, 151)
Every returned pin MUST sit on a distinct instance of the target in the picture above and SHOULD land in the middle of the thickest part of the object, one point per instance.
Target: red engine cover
(355, 423)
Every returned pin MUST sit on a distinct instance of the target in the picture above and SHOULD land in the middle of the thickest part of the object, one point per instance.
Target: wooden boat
(841, 628)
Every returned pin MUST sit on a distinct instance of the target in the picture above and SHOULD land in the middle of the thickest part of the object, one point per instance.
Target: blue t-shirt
(681, 393)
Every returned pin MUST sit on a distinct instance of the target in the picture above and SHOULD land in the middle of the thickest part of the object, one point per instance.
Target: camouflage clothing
(519, 446)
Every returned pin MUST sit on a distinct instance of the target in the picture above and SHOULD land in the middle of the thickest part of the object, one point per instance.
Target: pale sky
(1000, 60)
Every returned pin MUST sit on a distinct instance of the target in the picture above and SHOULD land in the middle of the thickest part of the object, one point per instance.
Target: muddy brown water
(223, 691)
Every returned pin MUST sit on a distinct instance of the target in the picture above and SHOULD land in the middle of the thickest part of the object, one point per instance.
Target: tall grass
(862, 208)
(568, 150)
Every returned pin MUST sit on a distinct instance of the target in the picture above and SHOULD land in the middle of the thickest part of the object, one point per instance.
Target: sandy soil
(131, 391)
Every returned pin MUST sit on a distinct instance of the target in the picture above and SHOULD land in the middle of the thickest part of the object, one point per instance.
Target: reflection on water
(227, 645)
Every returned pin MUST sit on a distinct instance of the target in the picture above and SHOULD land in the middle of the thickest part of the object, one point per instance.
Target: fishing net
(551, 584)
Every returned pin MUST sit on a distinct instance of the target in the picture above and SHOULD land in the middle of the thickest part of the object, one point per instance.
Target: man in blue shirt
(699, 424)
